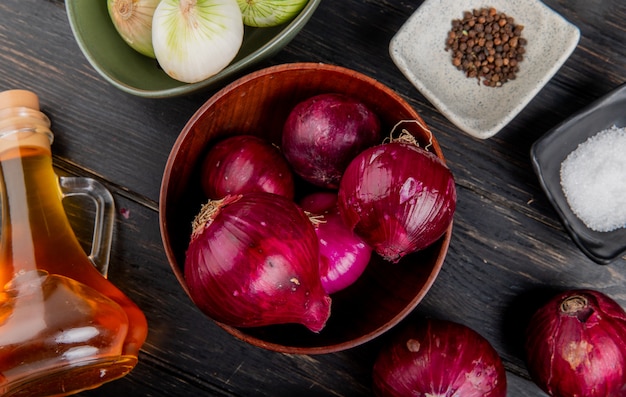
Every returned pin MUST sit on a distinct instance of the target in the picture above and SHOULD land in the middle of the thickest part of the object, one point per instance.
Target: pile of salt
(593, 179)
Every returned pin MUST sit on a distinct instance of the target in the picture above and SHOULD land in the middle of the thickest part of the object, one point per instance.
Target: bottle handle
(104, 217)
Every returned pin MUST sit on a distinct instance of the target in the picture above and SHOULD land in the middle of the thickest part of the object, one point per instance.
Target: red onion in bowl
(438, 358)
(576, 345)
(398, 197)
(243, 164)
(322, 135)
(253, 261)
(343, 255)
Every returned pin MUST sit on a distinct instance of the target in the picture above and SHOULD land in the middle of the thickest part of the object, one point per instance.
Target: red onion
(323, 133)
(243, 164)
(438, 358)
(253, 261)
(576, 345)
(343, 255)
(398, 197)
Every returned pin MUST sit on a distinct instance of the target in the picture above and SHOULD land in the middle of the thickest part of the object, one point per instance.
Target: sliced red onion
(438, 358)
(576, 345)
(253, 261)
(322, 135)
(245, 163)
(398, 197)
(343, 255)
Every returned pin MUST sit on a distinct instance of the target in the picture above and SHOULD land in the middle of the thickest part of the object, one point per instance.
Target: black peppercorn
(487, 45)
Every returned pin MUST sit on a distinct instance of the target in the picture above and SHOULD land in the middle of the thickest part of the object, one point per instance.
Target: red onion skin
(343, 255)
(438, 358)
(255, 263)
(398, 197)
(579, 350)
(323, 133)
(243, 164)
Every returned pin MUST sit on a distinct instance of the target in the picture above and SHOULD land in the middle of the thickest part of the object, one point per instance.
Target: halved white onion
(266, 13)
(196, 39)
(133, 21)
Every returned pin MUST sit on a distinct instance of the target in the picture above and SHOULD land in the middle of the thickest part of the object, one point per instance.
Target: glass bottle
(63, 326)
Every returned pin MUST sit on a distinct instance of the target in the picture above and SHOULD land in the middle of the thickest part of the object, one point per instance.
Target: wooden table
(508, 248)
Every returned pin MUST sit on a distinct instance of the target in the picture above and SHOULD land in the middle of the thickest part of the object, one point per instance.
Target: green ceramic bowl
(139, 75)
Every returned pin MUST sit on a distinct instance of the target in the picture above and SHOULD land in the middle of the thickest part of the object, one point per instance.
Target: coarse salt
(593, 179)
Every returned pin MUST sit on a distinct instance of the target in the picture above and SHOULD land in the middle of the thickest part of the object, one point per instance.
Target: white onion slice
(195, 39)
(133, 21)
(266, 13)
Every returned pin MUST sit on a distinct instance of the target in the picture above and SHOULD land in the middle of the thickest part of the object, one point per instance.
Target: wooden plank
(509, 251)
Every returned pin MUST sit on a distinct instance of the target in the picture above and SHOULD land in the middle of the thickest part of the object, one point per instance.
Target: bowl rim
(286, 34)
(444, 241)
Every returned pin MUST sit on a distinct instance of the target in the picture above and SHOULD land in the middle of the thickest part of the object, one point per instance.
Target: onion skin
(254, 262)
(244, 164)
(398, 197)
(343, 255)
(322, 134)
(438, 358)
(576, 345)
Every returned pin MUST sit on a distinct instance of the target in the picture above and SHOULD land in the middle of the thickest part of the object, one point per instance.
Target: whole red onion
(398, 197)
(253, 261)
(243, 164)
(438, 358)
(323, 133)
(576, 345)
(343, 255)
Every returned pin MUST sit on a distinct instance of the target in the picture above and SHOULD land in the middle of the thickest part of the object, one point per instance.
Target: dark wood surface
(508, 251)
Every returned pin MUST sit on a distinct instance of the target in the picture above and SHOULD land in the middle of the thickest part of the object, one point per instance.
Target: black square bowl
(551, 149)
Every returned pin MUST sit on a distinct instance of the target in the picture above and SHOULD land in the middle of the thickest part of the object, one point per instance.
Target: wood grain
(508, 252)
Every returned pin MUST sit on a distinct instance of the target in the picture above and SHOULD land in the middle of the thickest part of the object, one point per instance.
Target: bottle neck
(30, 197)
(34, 224)
(23, 127)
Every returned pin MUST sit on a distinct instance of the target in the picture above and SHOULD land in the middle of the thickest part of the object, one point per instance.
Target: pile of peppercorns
(487, 45)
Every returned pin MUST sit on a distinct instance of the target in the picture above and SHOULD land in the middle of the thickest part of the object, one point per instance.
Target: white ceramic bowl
(418, 49)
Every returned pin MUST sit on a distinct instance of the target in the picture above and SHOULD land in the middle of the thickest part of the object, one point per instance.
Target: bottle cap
(19, 98)
(21, 121)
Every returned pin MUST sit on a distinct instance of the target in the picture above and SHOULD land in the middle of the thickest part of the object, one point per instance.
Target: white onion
(195, 39)
(133, 21)
(265, 13)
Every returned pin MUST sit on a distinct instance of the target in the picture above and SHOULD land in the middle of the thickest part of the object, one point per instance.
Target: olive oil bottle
(63, 326)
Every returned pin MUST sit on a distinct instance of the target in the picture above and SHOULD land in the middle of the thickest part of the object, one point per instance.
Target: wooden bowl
(258, 104)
